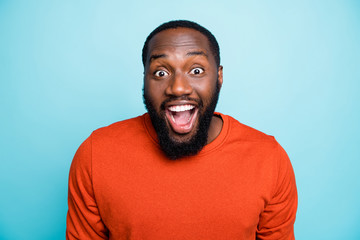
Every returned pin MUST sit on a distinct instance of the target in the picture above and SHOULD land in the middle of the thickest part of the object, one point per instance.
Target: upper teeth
(181, 108)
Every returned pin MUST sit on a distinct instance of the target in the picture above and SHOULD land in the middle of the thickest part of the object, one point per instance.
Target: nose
(179, 86)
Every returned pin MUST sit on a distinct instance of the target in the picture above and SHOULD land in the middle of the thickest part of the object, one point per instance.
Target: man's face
(181, 87)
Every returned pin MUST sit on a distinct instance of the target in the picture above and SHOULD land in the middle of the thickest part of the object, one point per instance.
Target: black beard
(171, 148)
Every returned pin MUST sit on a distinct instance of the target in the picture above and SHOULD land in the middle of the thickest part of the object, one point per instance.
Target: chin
(181, 138)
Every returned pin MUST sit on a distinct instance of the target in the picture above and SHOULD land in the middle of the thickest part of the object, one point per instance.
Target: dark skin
(181, 67)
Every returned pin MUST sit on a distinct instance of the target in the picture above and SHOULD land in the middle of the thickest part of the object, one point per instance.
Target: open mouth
(181, 117)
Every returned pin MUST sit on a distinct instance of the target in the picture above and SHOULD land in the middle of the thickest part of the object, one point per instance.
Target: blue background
(291, 69)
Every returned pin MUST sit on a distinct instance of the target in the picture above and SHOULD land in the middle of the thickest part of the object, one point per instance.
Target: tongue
(181, 118)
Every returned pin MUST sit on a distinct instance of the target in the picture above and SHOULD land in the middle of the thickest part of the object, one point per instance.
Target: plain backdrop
(291, 69)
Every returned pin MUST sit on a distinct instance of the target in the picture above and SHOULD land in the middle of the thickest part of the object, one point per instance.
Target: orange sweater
(121, 186)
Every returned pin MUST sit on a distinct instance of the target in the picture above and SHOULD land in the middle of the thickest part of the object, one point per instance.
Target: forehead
(178, 38)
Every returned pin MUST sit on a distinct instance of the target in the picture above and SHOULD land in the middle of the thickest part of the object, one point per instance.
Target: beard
(175, 149)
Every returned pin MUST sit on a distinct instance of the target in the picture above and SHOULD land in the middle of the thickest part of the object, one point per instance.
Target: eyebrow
(192, 53)
(196, 53)
(156, 56)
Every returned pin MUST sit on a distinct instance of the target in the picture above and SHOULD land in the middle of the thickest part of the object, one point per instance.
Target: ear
(220, 75)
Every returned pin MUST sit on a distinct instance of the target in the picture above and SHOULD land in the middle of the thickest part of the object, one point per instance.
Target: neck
(215, 128)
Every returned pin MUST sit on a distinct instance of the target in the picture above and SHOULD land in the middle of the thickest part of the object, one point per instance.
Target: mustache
(185, 98)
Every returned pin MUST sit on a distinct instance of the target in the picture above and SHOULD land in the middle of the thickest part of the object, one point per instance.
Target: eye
(160, 73)
(197, 71)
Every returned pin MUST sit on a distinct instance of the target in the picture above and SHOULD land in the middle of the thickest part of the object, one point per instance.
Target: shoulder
(261, 151)
(126, 127)
(243, 140)
(243, 132)
(116, 130)
(107, 143)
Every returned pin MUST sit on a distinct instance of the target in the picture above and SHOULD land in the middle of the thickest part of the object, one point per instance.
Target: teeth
(181, 108)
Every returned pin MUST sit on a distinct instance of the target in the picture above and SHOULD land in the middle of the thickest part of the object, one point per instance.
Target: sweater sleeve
(278, 217)
(83, 217)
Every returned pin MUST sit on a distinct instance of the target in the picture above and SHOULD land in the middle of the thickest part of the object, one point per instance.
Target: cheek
(154, 92)
(206, 90)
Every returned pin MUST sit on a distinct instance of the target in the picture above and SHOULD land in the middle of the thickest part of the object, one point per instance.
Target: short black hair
(214, 46)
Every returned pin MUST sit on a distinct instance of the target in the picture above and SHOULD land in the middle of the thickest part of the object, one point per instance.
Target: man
(181, 171)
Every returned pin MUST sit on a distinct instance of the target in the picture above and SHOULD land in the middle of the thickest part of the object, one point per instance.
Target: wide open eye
(160, 73)
(197, 71)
